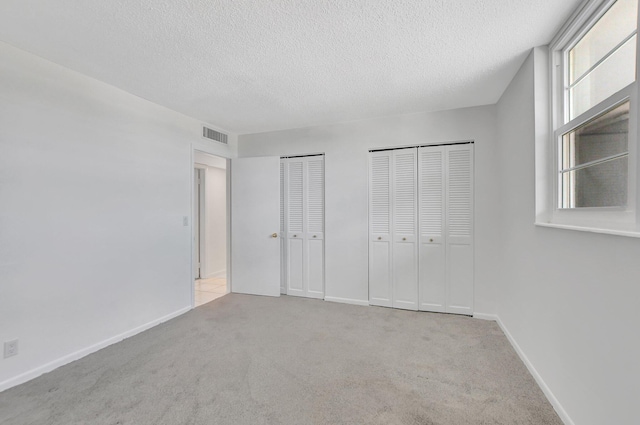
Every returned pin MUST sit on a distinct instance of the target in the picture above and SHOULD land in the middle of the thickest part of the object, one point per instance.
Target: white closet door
(294, 172)
(314, 226)
(303, 223)
(405, 243)
(459, 219)
(432, 252)
(380, 166)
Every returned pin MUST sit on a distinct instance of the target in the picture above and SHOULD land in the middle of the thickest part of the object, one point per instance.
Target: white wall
(216, 188)
(569, 299)
(94, 183)
(346, 147)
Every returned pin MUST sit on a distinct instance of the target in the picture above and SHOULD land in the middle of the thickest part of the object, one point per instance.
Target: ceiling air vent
(214, 135)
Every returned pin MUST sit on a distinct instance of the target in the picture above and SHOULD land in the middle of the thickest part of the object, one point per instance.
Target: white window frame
(616, 220)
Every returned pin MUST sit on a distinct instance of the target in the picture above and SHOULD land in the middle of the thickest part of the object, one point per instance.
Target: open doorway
(210, 224)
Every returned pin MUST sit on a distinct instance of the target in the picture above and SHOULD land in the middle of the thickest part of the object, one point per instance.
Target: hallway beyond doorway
(207, 290)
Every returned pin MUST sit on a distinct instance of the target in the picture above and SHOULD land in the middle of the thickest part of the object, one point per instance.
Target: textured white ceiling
(249, 66)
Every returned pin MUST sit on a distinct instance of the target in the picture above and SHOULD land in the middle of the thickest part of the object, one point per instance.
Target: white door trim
(202, 224)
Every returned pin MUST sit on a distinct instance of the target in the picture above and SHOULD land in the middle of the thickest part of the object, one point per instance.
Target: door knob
(314, 236)
(275, 235)
(404, 239)
(295, 236)
(430, 240)
(379, 238)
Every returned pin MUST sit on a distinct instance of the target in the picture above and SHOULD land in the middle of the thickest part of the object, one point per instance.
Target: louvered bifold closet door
(303, 206)
(314, 226)
(459, 235)
(294, 210)
(380, 166)
(405, 229)
(432, 251)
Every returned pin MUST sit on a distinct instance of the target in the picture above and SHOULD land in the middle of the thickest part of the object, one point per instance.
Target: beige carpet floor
(255, 360)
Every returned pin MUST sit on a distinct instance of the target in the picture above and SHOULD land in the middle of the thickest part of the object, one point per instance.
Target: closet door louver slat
(315, 196)
(295, 196)
(380, 195)
(404, 198)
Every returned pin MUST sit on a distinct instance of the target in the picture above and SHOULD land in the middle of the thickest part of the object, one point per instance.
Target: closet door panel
(380, 166)
(315, 269)
(404, 201)
(314, 237)
(295, 271)
(405, 276)
(459, 219)
(294, 172)
(432, 277)
(283, 236)
(432, 250)
(460, 279)
(380, 273)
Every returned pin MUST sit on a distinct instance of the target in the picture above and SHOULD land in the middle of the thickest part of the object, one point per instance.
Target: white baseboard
(564, 416)
(48, 367)
(219, 274)
(346, 301)
(486, 316)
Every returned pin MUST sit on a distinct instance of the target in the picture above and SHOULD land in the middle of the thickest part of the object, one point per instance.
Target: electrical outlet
(10, 348)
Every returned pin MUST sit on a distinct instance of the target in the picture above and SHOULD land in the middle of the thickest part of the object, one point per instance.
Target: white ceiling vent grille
(214, 135)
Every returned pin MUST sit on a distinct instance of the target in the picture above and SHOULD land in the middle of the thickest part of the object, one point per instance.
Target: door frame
(199, 147)
(202, 206)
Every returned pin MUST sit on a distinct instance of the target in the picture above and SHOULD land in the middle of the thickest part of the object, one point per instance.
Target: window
(594, 162)
(595, 114)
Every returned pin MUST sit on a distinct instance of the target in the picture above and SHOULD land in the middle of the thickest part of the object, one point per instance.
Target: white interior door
(255, 216)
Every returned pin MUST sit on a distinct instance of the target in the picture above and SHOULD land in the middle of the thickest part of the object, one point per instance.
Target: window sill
(627, 233)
